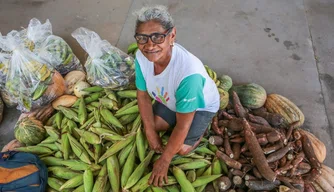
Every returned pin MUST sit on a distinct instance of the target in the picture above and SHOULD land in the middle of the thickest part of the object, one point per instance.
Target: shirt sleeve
(140, 81)
(189, 95)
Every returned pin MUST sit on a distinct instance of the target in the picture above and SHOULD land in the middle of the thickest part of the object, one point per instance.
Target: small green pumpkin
(29, 131)
(224, 98)
(225, 82)
(251, 95)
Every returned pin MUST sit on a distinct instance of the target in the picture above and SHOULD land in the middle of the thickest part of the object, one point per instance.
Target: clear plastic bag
(106, 65)
(29, 80)
(53, 49)
(4, 61)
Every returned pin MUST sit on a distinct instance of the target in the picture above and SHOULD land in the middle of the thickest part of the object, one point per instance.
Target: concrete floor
(286, 46)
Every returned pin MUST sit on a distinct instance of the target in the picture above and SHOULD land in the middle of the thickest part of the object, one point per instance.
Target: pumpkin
(12, 145)
(287, 109)
(64, 100)
(54, 90)
(224, 98)
(78, 88)
(251, 95)
(317, 145)
(225, 82)
(71, 79)
(1, 109)
(29, 131)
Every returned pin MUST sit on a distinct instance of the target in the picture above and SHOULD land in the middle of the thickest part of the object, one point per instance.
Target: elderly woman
(186, 98)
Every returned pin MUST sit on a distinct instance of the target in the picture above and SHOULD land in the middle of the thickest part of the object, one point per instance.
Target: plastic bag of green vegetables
(4, 60)
(54, 50)
(29, 79)
(106, 65)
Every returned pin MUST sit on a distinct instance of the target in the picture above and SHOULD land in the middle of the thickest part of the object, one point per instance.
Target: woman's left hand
(159, 172)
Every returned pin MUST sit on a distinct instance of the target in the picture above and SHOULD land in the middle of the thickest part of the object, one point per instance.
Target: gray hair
(157, 13)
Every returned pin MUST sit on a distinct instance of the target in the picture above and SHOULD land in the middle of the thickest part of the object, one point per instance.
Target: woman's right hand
(154, 141)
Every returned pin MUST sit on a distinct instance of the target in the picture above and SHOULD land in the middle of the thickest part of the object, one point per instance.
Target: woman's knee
(160, 124)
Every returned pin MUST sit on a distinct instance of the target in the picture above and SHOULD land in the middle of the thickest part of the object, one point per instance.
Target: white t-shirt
(184, 86)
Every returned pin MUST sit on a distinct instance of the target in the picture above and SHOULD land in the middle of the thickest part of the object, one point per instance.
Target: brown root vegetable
(236, 148)
(273, 148)
(237, 180)
(215, 127)
(224, 183)
(277, 155)
(312, 175)
(329, 170)
(237, 140)
(284, 169)
(318, 146)
(324, 184)
(296, 134)
(256, 173)
(226, 115)
(282, 162)
(308, 187)
(244, 148)
(258, 120)
(327, 175)
(262, 139)
(309, 153)
(216, 140)
(317, 187)
(229, 161)
(237, 172)
(227, 145)
(299, 158)
(258, 157)
(260, 185)
(273, 136)
(246, 168)
(292, 126)
(298, 145)
(238, 108)
(250, 177)
(298, 172)
(272, 118)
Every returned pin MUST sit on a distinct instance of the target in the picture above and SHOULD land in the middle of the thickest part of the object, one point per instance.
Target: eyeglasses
(156, 38)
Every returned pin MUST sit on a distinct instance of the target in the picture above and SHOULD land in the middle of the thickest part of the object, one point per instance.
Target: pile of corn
(98, 144)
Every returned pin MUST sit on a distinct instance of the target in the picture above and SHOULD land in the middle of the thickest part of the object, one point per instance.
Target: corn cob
(55, 183)
(93, 89)
(136, 124)
(49, 140)
(69, 113)
(128, 166)
(191, 175)
(82, 114)
(73, 182)
(127, 94)
(131, 110)
(200, 171)
(107, 134)
(127, 106)
(110, 94)
(81, 188)
(51, 146)
(78, 150)
(139, 171)
(58, 119)
(181, 160)
(86, 147)
(52, 132)
(108, 103)
(203, 180)
(117, 147)
(127, 119)
(114, 173)
(124, 154)
(109, 117)
(88, 123)
(172, 188)
(101, 180)
(195, 164)
(63, 173)
(88, 180)
(206, 173)
(77, 165)
(89, 137)
(140, 141)
(142, 184)
(97, 153)
(65, 144)
(158, 189)
(52, 161)
(182, 179)
(216, 170)
(38, 150)
(58, 154)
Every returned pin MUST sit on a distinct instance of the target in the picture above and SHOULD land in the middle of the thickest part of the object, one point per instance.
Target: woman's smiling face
(154, 52)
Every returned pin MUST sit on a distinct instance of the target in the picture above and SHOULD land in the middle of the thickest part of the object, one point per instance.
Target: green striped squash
(29, 131)
(251, 95)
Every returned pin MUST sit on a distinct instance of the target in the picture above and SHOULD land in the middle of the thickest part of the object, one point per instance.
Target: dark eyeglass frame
(153, 34)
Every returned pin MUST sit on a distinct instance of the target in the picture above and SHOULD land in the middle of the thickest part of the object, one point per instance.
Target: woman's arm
(146, 113)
